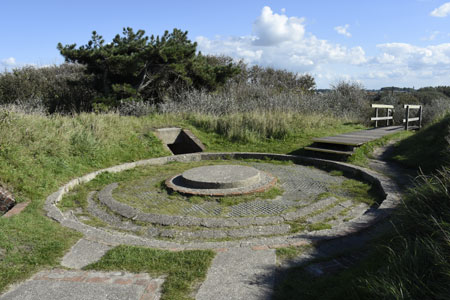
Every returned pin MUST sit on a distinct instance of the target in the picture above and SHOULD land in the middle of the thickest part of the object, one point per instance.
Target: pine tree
(134, 66)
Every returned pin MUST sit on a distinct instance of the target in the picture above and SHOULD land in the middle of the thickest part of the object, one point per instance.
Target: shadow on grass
(333, 269)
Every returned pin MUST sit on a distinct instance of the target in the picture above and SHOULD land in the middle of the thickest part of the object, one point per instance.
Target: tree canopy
(134, 66)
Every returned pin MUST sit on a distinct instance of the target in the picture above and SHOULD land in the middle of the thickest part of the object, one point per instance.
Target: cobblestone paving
(212, 221)
(300, 184)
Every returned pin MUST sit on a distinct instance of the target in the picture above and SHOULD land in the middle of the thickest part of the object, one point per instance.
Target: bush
(63, 88)
(350, 100)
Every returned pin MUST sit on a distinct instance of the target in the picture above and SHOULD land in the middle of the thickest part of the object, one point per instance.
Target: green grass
(291, 252)
(38, 154)
(362, 154)
(428, 149)
(183, 269)
(336, 173)
(30, 242)
(360, 192)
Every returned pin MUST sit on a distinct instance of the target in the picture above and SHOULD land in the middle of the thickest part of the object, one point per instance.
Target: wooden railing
(417, 118)
(388, 117)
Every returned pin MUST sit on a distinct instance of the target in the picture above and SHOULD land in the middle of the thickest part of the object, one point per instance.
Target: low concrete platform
(220, 177)
(221, 180)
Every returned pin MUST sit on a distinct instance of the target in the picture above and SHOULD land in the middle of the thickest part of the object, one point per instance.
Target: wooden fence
(417, 118)
(389, 115)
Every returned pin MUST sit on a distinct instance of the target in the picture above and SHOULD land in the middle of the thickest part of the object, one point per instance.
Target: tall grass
(36, 149)
(257, 125)
(347, 101)
(417, 260)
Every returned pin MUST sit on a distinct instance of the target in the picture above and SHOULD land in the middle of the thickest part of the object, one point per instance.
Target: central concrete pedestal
(221, 180)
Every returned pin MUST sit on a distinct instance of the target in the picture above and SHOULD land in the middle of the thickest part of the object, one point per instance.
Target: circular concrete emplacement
(221, 180)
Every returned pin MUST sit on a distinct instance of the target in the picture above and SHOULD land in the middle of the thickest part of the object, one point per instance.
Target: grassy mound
(428, 150)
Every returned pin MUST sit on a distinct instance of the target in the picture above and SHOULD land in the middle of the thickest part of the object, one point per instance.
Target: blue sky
(378, 43)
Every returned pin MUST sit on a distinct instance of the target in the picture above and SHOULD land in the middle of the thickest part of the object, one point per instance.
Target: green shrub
(63, 88)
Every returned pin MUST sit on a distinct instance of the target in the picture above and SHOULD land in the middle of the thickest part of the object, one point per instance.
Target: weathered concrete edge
(373, 216)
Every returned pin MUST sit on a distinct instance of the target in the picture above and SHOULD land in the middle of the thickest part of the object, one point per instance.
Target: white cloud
(272, 29)
(442, 11)
(282, 42)
(8, 62)
(343, 30)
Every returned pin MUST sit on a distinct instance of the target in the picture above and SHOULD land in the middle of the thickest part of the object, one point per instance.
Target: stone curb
(17, 209)
(372, 216)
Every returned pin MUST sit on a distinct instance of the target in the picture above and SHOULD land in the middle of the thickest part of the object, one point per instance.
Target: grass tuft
(183, 269)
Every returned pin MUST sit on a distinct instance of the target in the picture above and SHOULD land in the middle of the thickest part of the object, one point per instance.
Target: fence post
(376, 116)
(387, 115)
(406, 117)
(420, 117)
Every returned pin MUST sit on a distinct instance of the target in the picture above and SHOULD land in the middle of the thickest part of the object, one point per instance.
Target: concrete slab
(240, 273)
(83, 253)
(221, 180)
(82, 285)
